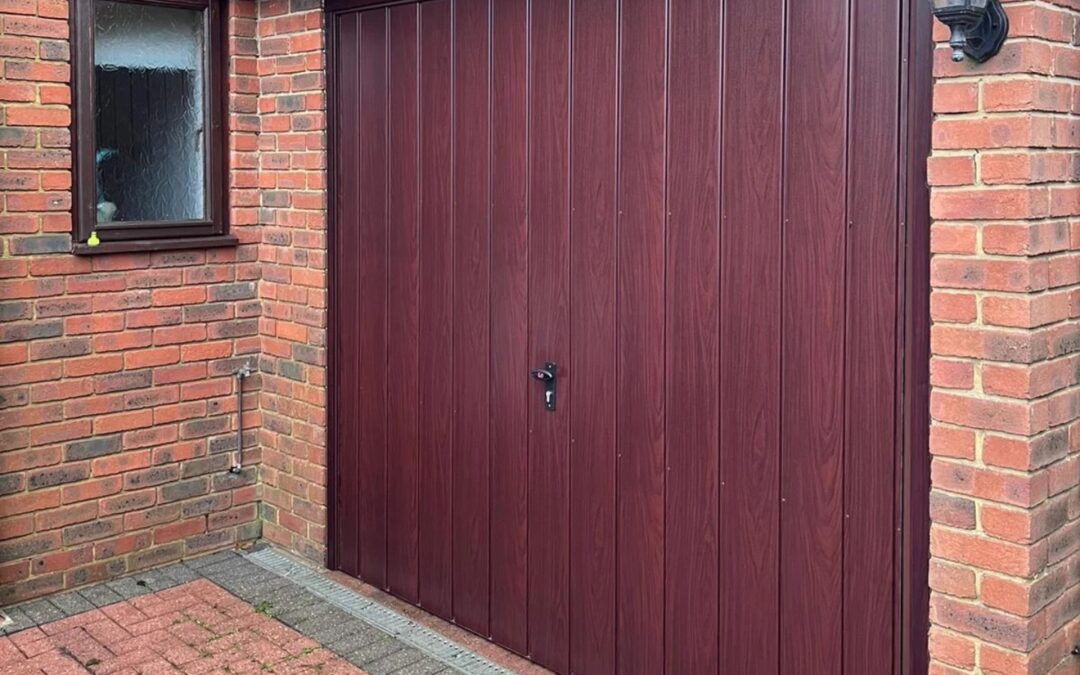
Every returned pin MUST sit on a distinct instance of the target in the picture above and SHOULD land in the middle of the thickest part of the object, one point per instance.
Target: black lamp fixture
(978, 27)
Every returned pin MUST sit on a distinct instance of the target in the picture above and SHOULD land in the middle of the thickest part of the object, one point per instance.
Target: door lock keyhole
(547, 376)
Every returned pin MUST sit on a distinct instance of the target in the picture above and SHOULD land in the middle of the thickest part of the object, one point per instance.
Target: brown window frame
(149, 235)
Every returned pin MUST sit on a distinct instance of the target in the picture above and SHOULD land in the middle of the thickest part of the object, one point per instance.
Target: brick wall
(292, 178)
(117, 407)
(1005, 543)
(117, 400)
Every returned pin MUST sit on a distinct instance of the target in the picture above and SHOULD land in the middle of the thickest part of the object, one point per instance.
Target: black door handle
(547, 376)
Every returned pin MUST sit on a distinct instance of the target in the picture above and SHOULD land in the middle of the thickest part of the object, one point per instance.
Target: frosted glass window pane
(149, 102)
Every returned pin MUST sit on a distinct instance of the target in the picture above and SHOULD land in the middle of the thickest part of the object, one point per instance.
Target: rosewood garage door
(693, 209)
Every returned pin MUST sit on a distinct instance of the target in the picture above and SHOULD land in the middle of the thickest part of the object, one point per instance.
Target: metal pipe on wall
(244, 372)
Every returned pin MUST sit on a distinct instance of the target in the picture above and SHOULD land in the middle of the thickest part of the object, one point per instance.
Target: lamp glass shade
(957, 4)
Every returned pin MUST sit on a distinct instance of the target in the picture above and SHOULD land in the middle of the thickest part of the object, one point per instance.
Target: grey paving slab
(328, 625)
(374, 651)
(129, 587)
(180, 573)
(292, 605)
(100, 595)
(245, 575)
(212, 559)
(226, 569)
(156, 580)
(42, 611)
(358, 636)
(394, 661)
(248, 581)
(71, 603)
(19, 621)
(425, 666)
(328, 634)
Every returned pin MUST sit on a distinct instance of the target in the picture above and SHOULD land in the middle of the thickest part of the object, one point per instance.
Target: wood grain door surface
(694, 209)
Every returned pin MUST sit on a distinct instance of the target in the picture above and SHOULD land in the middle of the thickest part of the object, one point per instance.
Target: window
(150, 142)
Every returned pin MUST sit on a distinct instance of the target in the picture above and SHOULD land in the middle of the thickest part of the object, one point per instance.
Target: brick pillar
(292, 217)
(1005, 506)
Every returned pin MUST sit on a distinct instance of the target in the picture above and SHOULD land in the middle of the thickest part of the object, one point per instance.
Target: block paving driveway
(197, 627)
(220, 613)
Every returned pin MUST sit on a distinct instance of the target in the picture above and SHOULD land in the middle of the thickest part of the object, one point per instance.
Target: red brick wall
(1005, 506)
(117, 407)
(138, 349)
(292, 178)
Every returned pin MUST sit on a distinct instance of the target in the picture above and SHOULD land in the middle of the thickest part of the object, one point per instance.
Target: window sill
(106, 247)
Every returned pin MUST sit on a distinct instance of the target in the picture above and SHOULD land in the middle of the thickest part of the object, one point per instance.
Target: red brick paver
(194, 628)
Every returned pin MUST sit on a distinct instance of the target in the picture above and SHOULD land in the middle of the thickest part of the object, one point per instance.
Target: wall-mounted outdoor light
(978, 27)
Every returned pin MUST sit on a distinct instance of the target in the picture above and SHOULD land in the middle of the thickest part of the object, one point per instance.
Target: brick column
(292, 217)
(1005, 539)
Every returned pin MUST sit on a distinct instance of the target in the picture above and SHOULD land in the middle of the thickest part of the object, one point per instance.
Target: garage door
(616, 336)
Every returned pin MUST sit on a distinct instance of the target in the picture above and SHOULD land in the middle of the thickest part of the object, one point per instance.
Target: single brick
(232, 292)
(53, 476)
(123, 381)
(91, 448)
(13, 311)
(156, 556)
(230, 481)
(137, 520)
(64, 307)
(11, 483)
(129, 501)
(150, 477)
(91, 489)
(184, 489)
(98, 529)
(208, 312)
(59, 349)
(209, 541)
(22, 332)
(205, 465)
(69, 515)
(204, 505)
(205, 427)
(25, 547)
